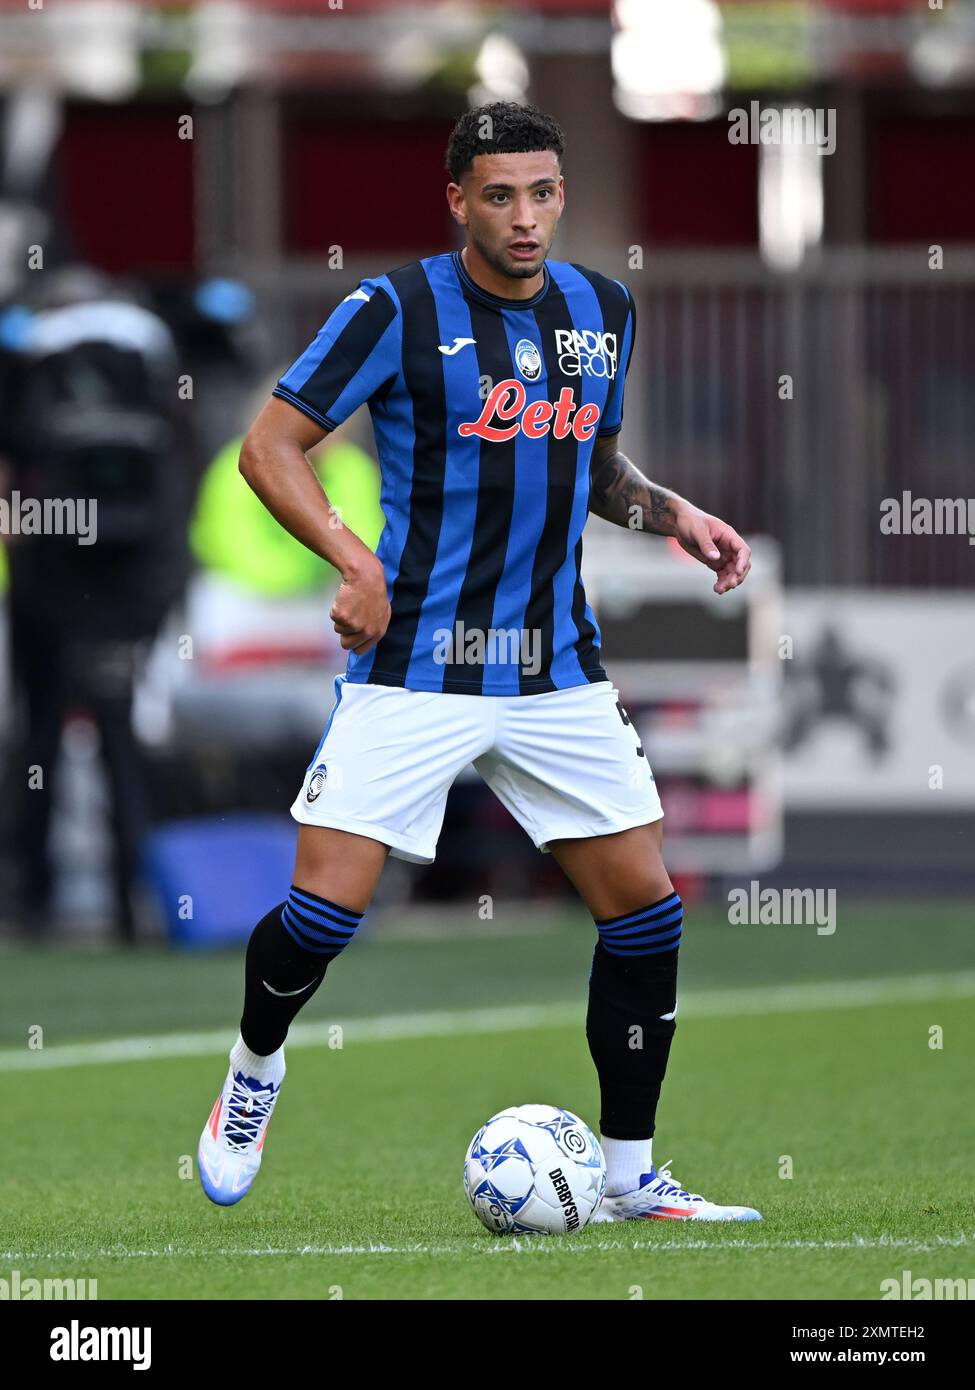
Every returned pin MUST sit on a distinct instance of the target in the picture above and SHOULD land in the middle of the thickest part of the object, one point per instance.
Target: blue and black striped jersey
(485, 411)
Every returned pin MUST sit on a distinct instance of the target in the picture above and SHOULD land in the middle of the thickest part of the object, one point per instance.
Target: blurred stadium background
(805, 349)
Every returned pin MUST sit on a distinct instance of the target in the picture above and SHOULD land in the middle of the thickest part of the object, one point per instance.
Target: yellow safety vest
(234, 534)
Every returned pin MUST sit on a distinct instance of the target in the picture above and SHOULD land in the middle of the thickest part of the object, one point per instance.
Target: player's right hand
(360, 613)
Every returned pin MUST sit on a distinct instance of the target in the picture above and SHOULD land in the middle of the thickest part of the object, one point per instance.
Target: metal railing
(792, 405)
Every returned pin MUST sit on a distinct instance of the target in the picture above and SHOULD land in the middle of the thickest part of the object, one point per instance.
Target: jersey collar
(498, 301)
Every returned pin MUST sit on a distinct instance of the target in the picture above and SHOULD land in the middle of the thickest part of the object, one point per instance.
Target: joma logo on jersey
(507, 401)
(583, 350)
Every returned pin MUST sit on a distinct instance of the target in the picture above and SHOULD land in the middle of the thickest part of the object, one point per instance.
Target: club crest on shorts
(528, 359)
(316, 783)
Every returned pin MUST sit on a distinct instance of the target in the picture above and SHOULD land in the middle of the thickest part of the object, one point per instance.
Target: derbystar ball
(534, 1170)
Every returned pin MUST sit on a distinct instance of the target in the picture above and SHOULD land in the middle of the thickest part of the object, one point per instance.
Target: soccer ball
(534, 1169)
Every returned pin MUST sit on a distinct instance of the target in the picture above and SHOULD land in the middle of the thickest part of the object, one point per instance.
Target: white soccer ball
(533, 1170)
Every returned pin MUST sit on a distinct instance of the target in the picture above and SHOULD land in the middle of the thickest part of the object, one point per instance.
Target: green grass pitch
(788, 1044)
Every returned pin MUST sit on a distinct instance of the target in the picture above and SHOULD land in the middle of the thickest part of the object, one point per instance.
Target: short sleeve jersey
(485, 412)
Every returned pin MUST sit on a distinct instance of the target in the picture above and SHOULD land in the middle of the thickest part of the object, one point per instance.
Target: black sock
(632, 990)
(287, 955)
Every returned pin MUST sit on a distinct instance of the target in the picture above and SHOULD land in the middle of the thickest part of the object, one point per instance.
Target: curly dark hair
(502, 127)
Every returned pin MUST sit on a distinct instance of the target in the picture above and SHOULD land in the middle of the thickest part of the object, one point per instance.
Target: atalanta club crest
(528, 359)
(317, 783)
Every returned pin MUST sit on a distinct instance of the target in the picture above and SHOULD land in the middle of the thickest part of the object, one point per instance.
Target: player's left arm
(621, 494)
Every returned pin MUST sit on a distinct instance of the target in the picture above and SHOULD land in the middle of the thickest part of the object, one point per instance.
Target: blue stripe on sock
(321, 908)
(641, 948)
(318, 925)
(320, 903)
(659, 924)
(311, 933)
(325, 922)
(647, 932)
(305, 945)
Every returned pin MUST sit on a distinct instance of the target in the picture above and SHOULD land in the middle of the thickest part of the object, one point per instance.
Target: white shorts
(565, 763)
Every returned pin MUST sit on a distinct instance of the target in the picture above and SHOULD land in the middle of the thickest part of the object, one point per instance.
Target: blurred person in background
(233, 536)
(254, 600)
(90, 420)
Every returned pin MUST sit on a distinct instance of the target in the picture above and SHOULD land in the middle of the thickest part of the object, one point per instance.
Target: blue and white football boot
(230, 1148)
(660, 1198)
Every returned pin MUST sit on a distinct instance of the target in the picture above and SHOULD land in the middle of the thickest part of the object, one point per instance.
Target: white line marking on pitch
(771, 999)
(503, 1245)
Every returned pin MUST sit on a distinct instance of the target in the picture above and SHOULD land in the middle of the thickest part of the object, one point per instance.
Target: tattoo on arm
(620, 493)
